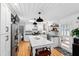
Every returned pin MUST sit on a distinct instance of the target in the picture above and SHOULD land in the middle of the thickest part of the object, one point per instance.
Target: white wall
(0, 16)
(28, 27)
(0, 25)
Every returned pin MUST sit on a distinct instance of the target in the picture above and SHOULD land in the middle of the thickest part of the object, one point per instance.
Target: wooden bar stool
(43, 52)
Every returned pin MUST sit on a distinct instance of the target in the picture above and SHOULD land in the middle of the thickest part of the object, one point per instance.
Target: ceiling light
(35, 23)
(39, 19)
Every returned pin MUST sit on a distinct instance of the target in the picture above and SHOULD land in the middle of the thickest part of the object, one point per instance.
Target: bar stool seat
(43, 52)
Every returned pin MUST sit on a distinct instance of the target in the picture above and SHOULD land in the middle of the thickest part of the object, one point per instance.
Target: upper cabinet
(5, 19)
(2, 21)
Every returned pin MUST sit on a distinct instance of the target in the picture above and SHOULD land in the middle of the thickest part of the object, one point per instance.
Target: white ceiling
(50, 11)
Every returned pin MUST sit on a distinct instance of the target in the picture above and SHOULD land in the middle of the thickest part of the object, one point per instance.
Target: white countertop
(39, 41)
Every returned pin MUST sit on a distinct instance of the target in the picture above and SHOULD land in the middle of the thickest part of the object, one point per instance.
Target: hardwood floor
(55, 52)
(24, 49)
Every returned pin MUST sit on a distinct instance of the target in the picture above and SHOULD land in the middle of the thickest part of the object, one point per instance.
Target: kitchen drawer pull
(7, 38)
(61, 40)
(7, 28)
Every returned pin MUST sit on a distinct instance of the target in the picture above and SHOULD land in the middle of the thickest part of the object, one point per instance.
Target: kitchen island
(39, 41)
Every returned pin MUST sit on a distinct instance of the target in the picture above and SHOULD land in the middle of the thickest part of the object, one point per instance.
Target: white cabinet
(56, 41)
(2, 43)
(5, 30)
(2, 21)
(5, 45)
(5, 19)
(8, 19)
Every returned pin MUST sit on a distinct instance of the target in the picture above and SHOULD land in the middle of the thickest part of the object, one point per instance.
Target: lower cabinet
(56, 41)
(75, 49)
(5, 45)
(2, 45)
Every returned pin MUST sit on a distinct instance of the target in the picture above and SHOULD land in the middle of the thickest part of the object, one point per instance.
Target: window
(65, 29)
(65, 32)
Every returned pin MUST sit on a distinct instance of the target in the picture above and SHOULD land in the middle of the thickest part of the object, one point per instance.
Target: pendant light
(39, 19)
(34, 23)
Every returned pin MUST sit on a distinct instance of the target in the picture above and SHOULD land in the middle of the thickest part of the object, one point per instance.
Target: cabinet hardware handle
(7, 38)
(7, 28)
(61, 40)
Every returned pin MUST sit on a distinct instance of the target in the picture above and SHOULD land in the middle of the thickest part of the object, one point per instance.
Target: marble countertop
(39, 40)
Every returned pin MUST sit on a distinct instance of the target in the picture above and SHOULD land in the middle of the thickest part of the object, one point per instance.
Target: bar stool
(43, 51)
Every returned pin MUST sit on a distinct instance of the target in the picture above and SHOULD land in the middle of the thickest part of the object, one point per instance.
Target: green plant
(75, 32)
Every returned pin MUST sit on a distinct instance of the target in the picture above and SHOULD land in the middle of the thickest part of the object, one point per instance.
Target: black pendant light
(34, 23)
(39, 19)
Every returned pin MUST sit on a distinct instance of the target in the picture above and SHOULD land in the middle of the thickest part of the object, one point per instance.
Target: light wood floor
(25, 50)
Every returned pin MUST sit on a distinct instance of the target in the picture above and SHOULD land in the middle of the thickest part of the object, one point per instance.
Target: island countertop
(39, 41)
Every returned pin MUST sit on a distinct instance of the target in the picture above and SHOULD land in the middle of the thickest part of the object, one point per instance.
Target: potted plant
(75, 33)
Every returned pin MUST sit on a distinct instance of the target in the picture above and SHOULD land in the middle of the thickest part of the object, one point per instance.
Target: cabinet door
(5, 45)
(8, 31)
(2, 51)
(8, 19)
(2, 19)
(5, 19)
(5, 30)
(55, 41)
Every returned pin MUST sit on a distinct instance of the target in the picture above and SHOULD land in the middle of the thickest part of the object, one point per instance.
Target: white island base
(39, 42)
